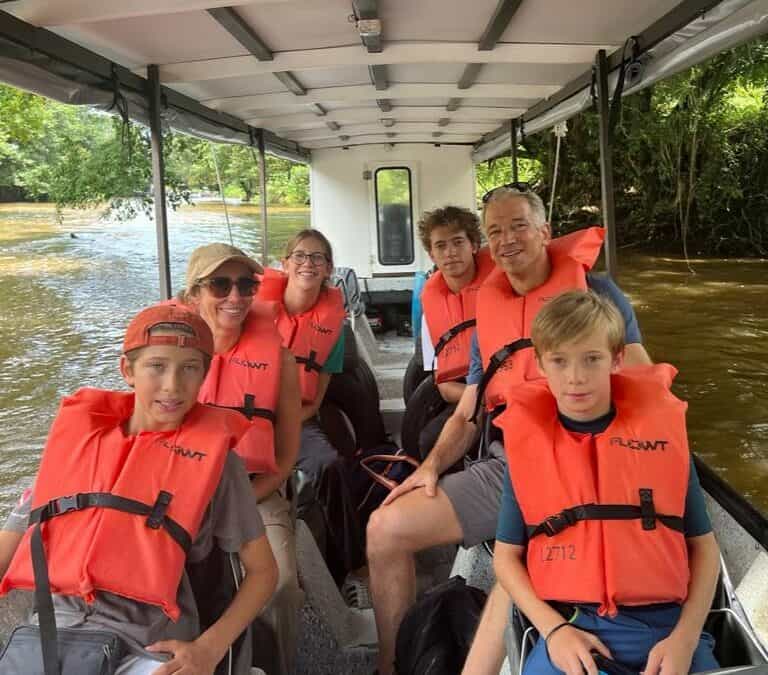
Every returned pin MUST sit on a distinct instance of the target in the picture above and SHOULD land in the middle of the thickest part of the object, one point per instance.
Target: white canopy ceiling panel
(346, 105)
(136, 42)
(437, 102)
(498, 102)
(426, 72)
(274, 113)
(350, 75)
(231, 86)
(302, 24)
(67, 12)
(429, 20)
(529, 73)
(594, 21)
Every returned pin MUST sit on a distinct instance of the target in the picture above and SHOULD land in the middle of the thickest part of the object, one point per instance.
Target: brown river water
(65, 301)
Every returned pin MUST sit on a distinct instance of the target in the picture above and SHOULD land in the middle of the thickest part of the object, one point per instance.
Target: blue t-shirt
(511, 528)
(603, 285)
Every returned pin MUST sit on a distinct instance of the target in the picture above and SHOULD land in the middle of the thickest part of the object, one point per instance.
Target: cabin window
(394, 215)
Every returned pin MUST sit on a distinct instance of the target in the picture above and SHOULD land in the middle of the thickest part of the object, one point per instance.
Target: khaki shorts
(475, 495)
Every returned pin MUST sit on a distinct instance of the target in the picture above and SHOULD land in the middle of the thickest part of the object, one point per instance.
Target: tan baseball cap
(205, 259)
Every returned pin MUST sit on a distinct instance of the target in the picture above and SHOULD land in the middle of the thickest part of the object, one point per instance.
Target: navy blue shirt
(511, 528)
(604, 286)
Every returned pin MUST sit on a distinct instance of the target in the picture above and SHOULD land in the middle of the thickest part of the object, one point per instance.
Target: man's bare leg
(396, 532)
(488, 650)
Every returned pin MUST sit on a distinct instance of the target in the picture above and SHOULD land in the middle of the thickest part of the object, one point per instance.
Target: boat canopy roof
(307, 74)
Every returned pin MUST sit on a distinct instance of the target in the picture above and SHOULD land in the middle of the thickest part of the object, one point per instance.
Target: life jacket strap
(155, 513)
(646, 512)
(451, 333)
(310, 362)
(49, 642)
(249, 409)
(495, 362)
(156, 519)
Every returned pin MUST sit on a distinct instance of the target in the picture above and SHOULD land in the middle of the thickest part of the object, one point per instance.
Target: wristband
(554, 630)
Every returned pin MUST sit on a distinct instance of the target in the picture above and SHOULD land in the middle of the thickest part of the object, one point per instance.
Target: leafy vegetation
(690, 161)
(76, 157)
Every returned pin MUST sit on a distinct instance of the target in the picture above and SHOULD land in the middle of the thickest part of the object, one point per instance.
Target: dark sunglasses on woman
(221, 287)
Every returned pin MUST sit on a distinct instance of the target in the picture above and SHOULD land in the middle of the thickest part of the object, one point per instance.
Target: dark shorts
(475, 495)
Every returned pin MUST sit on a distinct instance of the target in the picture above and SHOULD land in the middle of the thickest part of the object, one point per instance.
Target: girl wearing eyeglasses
(254, 374)
(309, 318)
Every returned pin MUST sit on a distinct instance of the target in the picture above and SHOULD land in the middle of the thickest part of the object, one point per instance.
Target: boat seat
(214, 581)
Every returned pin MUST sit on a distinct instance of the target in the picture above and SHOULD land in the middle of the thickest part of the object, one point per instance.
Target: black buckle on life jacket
(249, 409)
(647, 509)
(451, 333)
(64, 504)
(558, 522)
(310, 362)
(157, 514)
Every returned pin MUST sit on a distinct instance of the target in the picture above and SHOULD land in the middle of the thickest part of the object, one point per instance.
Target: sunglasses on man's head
(517, 185)
(221, 287)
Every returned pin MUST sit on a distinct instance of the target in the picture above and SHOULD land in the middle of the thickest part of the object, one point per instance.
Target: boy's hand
(425, 476)
(189, 658)
(569, 650)
(671, 656)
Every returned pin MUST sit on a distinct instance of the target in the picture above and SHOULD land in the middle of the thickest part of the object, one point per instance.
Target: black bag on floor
(81, 652)
(344, 534)
(437, 631)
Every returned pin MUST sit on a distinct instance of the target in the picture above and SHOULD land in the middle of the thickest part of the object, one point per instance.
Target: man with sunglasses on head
(252, 372)
(462, 507)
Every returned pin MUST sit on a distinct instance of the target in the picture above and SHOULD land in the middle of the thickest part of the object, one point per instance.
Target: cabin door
(394, 211)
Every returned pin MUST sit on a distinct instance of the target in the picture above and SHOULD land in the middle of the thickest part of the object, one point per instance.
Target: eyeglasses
(220, 287)
(316, 259)
(517, 185)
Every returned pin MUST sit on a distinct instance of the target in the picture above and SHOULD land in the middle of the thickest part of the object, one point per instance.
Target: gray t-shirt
(231, 520)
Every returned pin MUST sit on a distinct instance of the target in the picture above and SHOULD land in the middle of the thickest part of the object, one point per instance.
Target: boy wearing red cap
(131, 487)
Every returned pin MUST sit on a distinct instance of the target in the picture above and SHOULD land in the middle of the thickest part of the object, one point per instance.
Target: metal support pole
(158, 171)
(606, 164)
(263, 192)
(513, 148)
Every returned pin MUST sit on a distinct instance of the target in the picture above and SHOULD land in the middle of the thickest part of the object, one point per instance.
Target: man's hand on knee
(425, 476)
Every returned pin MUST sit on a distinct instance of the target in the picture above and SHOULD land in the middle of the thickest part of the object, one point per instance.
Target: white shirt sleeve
(427, 350)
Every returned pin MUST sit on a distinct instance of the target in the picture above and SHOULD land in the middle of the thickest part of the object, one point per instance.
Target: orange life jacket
(451, 318)
(604, 512)
(311, 335)
(247, 379)
(504, 318)
(90, 470)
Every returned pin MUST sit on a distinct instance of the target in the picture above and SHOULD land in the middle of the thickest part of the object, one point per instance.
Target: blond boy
(603, 540)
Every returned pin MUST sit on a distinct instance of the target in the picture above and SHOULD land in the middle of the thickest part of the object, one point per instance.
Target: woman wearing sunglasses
(253, 373)
(310, 317)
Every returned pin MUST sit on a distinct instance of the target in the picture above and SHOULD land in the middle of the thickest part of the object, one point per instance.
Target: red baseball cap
(138, 332)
